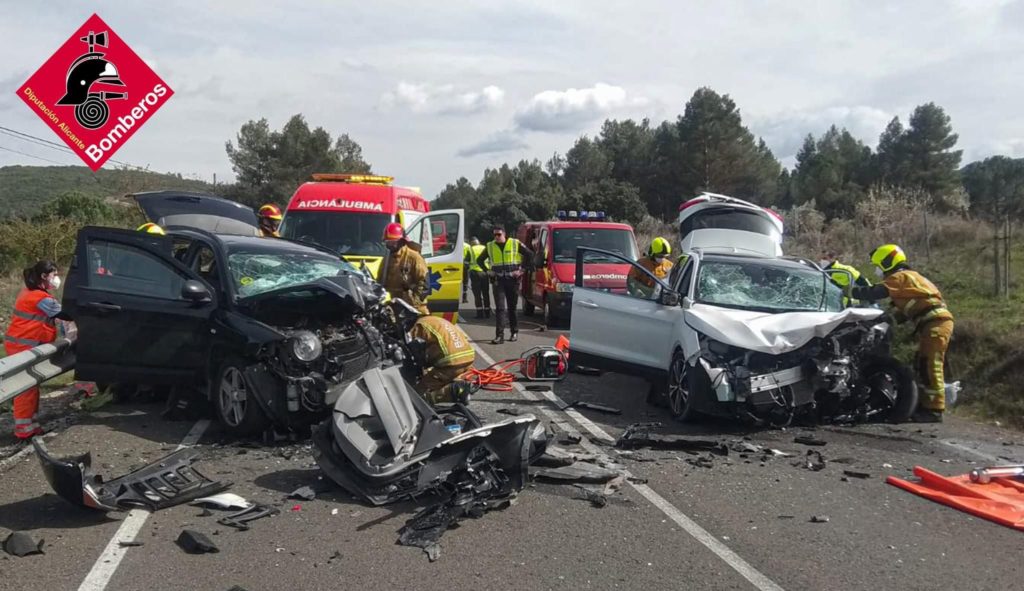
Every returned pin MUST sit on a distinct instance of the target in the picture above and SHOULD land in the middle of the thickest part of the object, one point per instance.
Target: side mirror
(669, 298)
(195, 292)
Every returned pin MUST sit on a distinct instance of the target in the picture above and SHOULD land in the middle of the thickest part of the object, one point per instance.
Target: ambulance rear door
(444, 258)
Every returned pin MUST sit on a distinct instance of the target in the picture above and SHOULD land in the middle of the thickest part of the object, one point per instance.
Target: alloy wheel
(678, 393)
(233, 397)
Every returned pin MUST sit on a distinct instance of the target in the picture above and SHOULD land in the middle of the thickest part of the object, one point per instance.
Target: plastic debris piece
(304, 493)
(571, 439)
(433, 552)
(296, 507)
(809, 440)
(555, 457)
(701, 462)
(19, 543)
(855, 474)
(611, 410)
(595, 498)
(241, 519)
(223, 501)
(815, 462)
(194, 542)
(819, 519)
(334, 511)
(513, 412)
(130, 543)
(579, 472)
(641, 435)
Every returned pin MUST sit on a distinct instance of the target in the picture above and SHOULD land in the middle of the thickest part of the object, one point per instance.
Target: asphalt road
(742, 523)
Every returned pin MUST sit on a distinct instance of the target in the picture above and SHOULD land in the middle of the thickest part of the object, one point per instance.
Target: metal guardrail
(21, 371)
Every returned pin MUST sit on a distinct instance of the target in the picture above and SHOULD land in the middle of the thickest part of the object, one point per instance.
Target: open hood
(764, 332)
(327, 298)
(196, 210)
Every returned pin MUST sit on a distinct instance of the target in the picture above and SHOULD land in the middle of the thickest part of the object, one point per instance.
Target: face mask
(55, 282)
(879, 273)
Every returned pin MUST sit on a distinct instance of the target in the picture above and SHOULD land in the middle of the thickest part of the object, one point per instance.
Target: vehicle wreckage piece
(241, 519)
(641, 435)
(384, 443)
(167, 482)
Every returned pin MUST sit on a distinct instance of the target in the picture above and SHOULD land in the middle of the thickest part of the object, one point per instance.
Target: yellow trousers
(435, 380)
(933, 340)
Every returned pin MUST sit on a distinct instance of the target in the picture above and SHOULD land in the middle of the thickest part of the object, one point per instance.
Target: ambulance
(347, 213)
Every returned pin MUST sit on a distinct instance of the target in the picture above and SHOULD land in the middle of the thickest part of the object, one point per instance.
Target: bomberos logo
(95, 92)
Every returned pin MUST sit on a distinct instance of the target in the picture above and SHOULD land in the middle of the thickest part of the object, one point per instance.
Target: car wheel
(528, 308)
(236, 408)
(888, 379)
(682, 380)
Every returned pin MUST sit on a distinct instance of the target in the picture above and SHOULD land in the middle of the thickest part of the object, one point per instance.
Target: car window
(436, 235)
(205, 265)
(617, 241)
(681, 281)
(125, 269)
(609, 273)
(179, 247)
(254, 273)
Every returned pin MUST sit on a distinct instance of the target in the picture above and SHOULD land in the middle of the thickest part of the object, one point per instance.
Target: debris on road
(809, 440)
(555, 457)
(241, 519)
(819, 519)
(814, 461)
(424, 530)
(583, 472)
(169, 481)
(130, 543)
(223, 501)
(611, 410)
(20, 543)
(512, 412)
(595, 498)
(194, 542)
(571, 439)
(855, 474)
(304, 493)
(641, 435)
(701, 462)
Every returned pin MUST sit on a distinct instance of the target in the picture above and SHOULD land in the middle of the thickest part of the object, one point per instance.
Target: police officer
(478, 279)
(445, 353)
(915, 299)
(507, 258)
(406, 274)
(656, 261)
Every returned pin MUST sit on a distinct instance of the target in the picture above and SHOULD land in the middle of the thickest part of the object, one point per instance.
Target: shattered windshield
(254, 273)
(618, 241)
(344, 232)
(765, 286)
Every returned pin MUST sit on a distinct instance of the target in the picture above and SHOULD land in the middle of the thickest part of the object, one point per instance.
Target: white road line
(106, 565)
(744, 568)
(972, 451)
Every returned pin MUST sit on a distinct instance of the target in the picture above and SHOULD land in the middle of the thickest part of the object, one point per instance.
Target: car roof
(584, 225)
(234, 242)
(780, 262)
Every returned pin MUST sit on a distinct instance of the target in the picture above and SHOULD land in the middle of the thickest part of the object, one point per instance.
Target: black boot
(499, 340)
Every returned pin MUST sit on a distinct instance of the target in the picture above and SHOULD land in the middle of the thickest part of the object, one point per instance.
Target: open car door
(631, 332)
(440, 236)
(196, 210)
(142, 316)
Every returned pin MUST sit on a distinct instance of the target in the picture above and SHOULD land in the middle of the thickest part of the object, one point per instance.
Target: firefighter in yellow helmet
(444, 352)
(151, 228)
(270, 217)
(830, 260)
(656, 262)
(915, 299)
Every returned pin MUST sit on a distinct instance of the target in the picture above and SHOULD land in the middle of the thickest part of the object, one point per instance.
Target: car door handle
(451, 269)
(102, 306)
(588, 304)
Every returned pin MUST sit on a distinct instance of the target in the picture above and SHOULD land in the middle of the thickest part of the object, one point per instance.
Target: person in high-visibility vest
(830, 260)
(915, 299)
(465, 271)
(507, 257)
(33, 322)
(445, 354)
(478, 279)
(406, 273)
(270, 217)
(656, 261)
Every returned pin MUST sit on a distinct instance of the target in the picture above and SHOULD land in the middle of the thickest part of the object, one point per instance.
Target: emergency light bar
(363, 179)
(582, 215)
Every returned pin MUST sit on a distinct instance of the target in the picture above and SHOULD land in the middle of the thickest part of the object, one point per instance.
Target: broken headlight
(306, 346)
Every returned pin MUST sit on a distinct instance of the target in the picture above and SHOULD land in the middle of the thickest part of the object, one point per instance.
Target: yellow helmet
(659, 246)
(151, 228)
(887, 257)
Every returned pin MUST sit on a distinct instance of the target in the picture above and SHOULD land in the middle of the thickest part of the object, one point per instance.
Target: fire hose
(539, 364)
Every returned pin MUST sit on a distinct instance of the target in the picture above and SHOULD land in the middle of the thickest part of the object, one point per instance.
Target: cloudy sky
(434, 91)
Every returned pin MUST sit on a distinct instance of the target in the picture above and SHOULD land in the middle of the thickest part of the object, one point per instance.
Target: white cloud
(571, 109)
(442, 99)
(503, 141)
(784, 132)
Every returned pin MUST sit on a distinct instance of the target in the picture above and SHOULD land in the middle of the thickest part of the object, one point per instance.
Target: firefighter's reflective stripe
(20, 341)
(447, 344)
(506, 259)
(27, 316)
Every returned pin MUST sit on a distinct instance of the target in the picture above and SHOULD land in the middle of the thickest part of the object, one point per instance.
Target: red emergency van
(549, 285)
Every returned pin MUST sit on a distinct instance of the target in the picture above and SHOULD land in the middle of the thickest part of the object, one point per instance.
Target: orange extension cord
(496, 378)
